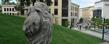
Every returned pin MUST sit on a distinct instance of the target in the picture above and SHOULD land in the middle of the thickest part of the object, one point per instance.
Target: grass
(62, 35)
(11, 33)
(11, 30)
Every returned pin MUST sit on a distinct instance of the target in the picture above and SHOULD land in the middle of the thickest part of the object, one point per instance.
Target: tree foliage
(65, 24)
(28, 2)
(98, 21)
(49, 2)
(5, 1)
(20, 7)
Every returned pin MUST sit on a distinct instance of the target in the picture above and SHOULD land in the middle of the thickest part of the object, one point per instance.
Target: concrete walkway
(92, 33)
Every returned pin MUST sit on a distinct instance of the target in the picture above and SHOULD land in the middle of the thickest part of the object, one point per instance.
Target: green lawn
(62, 35)
(11, 33)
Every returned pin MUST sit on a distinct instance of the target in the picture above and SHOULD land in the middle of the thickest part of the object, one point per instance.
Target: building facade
(61, 11)
(87, 12)
(101, 9)
(74, 14)
(105, 9)
(9, 10)
(97, 12)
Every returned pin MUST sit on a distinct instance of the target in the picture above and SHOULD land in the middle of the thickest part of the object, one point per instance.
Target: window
(72, 13)
(76, 14)
(72, 22)
(76, 9)
(65, 4)
(12, 9)
(56, 2)
(64, 8)
(97, 13)
(10, 13)
(4, 9)
(56, 11)
(7, 9)
(64, 13)
(106, 4)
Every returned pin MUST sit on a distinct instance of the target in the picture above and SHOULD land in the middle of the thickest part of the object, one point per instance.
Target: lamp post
(94, 24)
(103, 31)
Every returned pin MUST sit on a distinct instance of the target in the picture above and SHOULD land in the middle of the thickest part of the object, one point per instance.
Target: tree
(49, 2)
(28, 2)
(97, 22)
(65, 24)
(6, 1)
(20, 7)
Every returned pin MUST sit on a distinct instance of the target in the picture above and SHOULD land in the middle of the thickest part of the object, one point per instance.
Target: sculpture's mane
(41, 6)
(41, 9)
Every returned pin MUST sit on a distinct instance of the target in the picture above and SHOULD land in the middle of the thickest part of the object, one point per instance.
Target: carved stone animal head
(39, 6)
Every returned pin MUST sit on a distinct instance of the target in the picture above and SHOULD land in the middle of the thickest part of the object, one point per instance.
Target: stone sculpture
(37, 25)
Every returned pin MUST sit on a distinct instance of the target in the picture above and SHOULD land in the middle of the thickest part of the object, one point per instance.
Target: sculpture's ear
(28, 10)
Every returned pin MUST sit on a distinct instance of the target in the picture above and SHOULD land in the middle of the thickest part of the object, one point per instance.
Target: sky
(82, 3)
(11, 1)
(85, 3)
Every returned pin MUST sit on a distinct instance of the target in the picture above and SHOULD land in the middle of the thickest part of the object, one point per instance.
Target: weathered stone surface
(37, 25)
